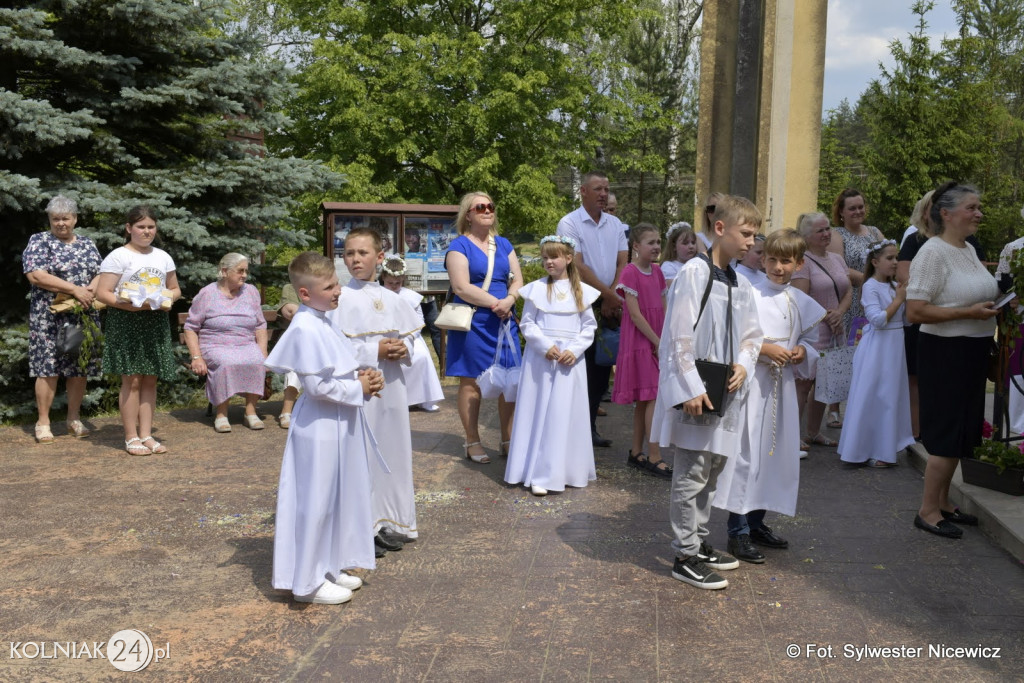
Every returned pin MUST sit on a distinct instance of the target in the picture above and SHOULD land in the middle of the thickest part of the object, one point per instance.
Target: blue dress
(470, 353)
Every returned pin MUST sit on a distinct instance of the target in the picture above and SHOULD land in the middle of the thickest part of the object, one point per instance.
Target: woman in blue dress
(470, 353)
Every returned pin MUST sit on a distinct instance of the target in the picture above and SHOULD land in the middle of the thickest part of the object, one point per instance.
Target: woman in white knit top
(951, 294)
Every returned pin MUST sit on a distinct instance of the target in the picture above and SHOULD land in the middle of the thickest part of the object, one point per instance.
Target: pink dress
(636, 367)
(227, 339)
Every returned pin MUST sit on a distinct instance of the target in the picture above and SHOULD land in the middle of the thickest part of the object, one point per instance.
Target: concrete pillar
(759, 131)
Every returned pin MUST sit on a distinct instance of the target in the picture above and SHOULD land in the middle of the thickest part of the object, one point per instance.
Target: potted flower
(996, 465)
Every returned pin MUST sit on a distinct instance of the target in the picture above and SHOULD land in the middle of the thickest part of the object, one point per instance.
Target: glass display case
(419, 232)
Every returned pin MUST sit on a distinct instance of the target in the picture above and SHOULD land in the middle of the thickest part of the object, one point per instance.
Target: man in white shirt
(600, 257)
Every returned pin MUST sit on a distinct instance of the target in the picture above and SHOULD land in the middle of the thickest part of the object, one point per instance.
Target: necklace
(789, 305)
(378, 303)
(561, 294)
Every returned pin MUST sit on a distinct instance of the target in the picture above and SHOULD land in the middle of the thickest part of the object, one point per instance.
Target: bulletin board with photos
(420, 232)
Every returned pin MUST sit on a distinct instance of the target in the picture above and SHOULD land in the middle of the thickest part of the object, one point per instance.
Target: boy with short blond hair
(323, 509)
(765, 472)
(711, 317)
(382, 328)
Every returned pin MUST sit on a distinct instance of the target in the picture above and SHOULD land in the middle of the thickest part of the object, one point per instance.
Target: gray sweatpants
(694, 479)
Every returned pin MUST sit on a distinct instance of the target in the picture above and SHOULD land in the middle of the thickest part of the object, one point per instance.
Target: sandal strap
(136, 444)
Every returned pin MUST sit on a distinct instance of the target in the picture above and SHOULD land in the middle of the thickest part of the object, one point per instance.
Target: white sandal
(77, 429)
(135, 446)
(285, 420)
(43, 434)
(481, 459)
(253, 422)
(157, 447)
(221, 425)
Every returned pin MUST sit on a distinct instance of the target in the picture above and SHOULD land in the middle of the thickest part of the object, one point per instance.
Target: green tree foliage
(652, 125)
(843, 138)
(142, 101)
(951, 113)
(422, 101)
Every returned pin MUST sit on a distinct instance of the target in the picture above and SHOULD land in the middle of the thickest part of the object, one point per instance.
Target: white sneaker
(430, 407)
(328, 594)
(346, 580)
(538, 490)
(803, 454)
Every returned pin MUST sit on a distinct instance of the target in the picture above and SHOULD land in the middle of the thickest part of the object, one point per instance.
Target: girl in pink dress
(642, 285)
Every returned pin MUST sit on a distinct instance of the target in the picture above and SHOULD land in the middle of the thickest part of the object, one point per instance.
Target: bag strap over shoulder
(835, 285)
(491, 248)
(728, 310)
(486, 286)
(707, 292)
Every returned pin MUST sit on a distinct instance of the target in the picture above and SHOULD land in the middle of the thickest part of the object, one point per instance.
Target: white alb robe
(682, 345)
(323, 497)
(421, 381)
(366, 314)
(551, 407)
(877, 421)
(755, 277)
(764, 474)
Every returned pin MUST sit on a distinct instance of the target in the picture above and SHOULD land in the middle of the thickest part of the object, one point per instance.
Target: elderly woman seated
(226, 335)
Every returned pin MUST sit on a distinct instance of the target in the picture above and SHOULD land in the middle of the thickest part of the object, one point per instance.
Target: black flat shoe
(944, 528)
(659, 468)
(959, 517)
(763, 535)
(599, 441)
(638, 461)
(392, 535)
(741, 548)
(382, 541)
(379, 552)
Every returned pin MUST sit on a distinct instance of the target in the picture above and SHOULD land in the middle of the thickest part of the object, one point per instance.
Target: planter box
(986, 475)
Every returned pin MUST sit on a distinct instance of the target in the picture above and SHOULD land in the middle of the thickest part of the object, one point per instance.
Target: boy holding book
(709, 345)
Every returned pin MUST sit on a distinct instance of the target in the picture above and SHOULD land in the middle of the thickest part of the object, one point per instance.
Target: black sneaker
(763, 535)
(715, 559)
(743, 549)
(694, 572)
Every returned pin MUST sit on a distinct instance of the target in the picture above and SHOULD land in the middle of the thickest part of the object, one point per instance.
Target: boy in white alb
(323, 524)
(764, 473)
(381, 327)
(421, 381)
(711, 317)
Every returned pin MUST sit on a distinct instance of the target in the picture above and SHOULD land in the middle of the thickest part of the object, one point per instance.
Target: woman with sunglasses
(472, 352)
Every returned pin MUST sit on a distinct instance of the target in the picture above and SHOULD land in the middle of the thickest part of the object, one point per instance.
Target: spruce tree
(143, 101)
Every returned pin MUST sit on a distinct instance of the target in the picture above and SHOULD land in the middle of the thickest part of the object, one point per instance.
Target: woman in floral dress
(58, 261)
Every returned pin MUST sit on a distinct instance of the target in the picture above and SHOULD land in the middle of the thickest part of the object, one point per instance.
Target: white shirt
(1006, 254)
(598, 243)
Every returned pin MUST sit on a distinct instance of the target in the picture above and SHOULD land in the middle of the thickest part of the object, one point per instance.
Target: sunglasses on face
(483, 208)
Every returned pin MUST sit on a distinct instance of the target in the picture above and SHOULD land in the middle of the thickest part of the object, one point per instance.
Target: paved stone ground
(502, 586)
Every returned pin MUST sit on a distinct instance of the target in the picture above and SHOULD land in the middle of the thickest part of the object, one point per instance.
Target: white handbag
(457, 317)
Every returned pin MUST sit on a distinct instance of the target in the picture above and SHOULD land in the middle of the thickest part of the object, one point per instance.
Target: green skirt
(138, 343)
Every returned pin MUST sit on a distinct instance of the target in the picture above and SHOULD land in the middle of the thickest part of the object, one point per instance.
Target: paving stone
(501, 585)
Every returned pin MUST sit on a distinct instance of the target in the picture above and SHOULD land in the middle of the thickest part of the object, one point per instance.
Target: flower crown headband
(878, 246)
(560, 239)
(396, 259)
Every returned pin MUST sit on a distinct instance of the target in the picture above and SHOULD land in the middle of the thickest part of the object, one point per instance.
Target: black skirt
(951, 376)
(910, 334)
